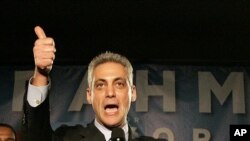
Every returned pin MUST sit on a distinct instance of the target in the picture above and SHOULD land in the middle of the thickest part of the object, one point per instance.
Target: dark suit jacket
(36, 127)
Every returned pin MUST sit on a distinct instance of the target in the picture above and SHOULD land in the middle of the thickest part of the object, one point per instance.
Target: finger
(44, 55)
(47, 40)
(43, 63)
(39, 32)
(48, 68)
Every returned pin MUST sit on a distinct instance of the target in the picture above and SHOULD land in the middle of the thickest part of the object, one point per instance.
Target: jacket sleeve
(36, 121)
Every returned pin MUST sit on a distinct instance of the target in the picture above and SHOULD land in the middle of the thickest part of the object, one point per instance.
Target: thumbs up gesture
(44, 51)
(44, 55)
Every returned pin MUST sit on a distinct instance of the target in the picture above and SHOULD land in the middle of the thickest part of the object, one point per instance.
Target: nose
(110, 91)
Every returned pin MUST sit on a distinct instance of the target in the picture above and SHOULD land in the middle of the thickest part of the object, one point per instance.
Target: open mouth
(111, 108)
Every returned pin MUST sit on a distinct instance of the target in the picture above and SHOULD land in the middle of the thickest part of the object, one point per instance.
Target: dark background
(146, 31)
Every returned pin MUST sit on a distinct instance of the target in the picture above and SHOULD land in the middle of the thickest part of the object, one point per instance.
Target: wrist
(40, 77)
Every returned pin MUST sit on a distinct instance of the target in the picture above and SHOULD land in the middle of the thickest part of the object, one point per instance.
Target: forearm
(36, 122)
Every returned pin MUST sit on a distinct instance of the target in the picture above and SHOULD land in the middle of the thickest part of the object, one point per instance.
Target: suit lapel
(91, 133)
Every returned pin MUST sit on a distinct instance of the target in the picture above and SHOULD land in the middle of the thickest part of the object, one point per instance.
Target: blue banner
(180, 103)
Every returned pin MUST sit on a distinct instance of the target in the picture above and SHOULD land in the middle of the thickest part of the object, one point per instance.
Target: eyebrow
(116, 79)
(102, 80)
(120, 78)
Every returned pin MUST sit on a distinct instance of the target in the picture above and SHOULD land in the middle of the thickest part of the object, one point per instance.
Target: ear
(89, 96)
(133, 95)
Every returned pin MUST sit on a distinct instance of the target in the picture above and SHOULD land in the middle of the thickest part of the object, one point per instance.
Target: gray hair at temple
(110, 57)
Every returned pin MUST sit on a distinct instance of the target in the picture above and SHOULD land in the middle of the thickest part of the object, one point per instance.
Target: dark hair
(10, 127)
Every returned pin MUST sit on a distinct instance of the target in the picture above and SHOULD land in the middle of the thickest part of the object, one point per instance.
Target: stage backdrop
(181, 103)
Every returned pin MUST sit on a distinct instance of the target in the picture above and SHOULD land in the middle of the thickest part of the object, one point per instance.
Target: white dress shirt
(36, 95)
(107, 133)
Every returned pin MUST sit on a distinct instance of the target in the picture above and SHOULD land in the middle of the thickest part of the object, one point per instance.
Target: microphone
(117, 135)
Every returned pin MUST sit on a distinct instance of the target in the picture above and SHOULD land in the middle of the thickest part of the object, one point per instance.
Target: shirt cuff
(37, 94)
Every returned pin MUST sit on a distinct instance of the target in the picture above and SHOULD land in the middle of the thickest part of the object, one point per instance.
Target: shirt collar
(107, 133)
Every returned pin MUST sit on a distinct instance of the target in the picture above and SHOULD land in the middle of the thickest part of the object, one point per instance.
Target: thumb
(39, 32)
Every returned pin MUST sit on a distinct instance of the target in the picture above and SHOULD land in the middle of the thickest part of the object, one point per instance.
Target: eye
(99, 85)
(120, 84)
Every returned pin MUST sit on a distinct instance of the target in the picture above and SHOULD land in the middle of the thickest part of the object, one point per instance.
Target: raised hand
(44, 55)
(44, 50)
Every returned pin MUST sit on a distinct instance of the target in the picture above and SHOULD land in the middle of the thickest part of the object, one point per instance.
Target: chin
(112, 122)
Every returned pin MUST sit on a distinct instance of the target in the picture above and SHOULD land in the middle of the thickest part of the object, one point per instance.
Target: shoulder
(69, 132)
(147, 138)
(135, 137)
(77, 132)
(66, 129)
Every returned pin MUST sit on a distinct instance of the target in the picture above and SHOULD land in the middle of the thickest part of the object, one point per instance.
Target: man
(110, 91)
(7, 133)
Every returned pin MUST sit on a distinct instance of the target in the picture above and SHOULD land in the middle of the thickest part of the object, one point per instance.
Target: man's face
(111, 94)
(6, 134)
